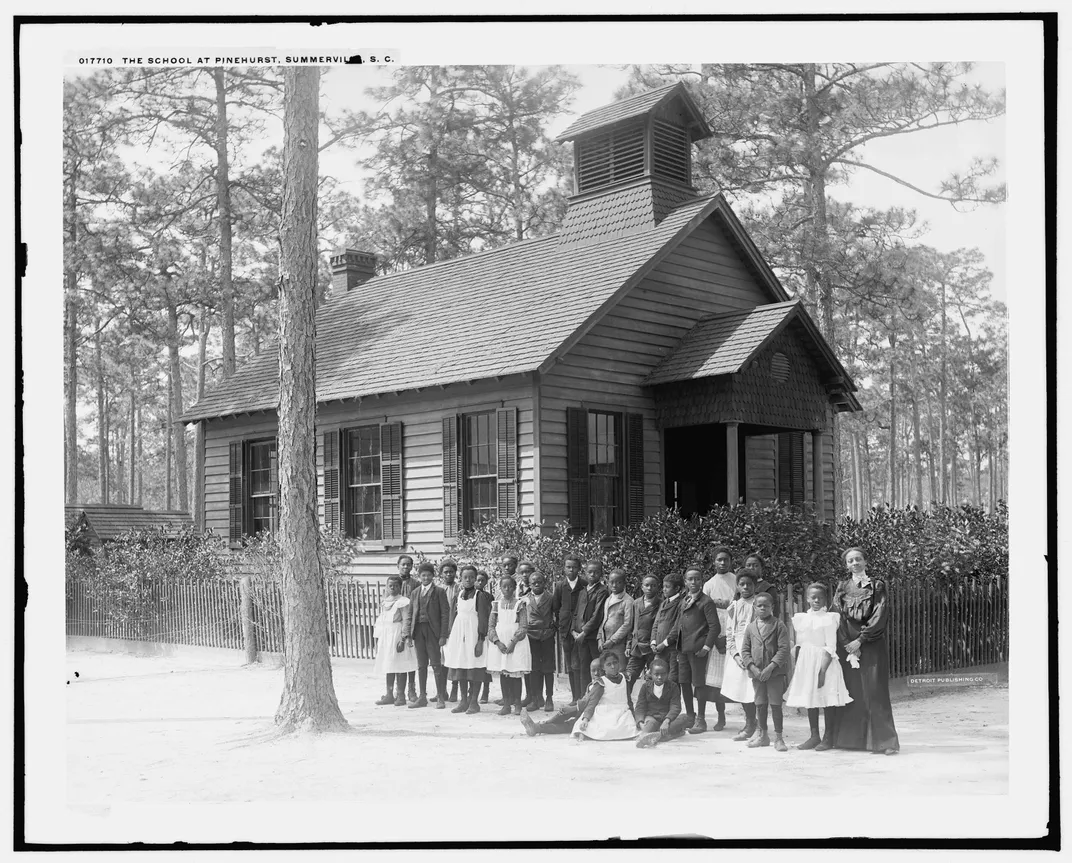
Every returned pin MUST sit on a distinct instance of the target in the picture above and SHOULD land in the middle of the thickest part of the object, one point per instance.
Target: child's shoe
(440, 704)
(745, 733)
(420, 702)
(548, 706)
(389, 698)
(462, 706)
(827, 742)
(400, 700)
(473, 706)
(718, 726)
(516, 708)
(529, 725)
(453, 692)
(504, 710)
(779, 744)
(698, 727)
(536, 703)
(812, 742)
(760, 738)
(649, 739)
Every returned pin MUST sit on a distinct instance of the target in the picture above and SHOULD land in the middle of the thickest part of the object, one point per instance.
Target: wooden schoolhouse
(645, 356)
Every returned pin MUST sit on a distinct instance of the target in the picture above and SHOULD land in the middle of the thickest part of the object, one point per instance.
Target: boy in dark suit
(765, 655)
(639, 653)
(587, 616)
(665, 618)
(562, 602)
(696, 632)
(658, 707)
(431, 619)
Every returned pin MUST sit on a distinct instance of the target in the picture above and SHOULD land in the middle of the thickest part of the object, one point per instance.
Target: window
(363, 493)
(363, 482)
(605, 472)
(479, 469)
(253, 488)
(791, 467)
(605, 468)
(614, 155)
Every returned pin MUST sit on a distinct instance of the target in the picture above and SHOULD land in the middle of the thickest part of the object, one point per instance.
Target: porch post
(733, 493)
(817, 473)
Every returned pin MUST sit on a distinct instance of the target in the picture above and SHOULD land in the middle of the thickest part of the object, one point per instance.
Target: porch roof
(725, 344)
(109, 521)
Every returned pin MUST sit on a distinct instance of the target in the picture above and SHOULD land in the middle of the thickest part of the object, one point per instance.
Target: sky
(923, 159)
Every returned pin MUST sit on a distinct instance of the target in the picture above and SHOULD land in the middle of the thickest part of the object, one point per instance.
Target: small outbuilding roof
(726, 343)
(636, 106)
(108, 521)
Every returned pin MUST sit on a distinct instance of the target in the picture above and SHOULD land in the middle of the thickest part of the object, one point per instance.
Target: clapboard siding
(421, 414)
(606, 368)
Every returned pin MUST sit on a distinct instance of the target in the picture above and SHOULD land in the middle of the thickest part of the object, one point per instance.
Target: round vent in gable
(779, 368)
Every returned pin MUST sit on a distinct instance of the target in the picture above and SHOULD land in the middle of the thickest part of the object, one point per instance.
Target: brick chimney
(350, 268)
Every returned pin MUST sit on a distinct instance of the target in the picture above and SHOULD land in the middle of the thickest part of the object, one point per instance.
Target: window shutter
(634, 477)
(391, 482)
(791, 467)
(452, 477)
(273, 478)
(235, 496)
(332, 481)
(577, 468)
(506, 449)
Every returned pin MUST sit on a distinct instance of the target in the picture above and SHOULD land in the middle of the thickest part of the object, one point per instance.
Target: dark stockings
(422, 680)
(701, 702)
(549, 684)
(686, 696)
(720, 702)
(412, 681)
(776, 715)
(390, 684)
(749, 715)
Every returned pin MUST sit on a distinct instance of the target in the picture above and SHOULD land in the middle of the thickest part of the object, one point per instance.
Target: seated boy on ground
(658, 707)
(564, 720)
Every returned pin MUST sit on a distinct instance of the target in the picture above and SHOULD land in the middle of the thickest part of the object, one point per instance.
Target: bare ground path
(169, 730)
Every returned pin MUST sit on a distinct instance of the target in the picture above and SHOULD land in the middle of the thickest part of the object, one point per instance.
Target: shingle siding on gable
(422, 470)
(703, 276)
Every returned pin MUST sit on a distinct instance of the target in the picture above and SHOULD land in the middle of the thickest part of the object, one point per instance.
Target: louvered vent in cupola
(615, 155)
(670, 152)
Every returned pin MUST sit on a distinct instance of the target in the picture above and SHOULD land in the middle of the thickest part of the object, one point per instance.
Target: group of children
(712, 640)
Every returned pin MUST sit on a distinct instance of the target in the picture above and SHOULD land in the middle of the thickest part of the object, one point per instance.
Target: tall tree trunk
(943, 415)
(141, 456)
(178, 428)
(869, 495)
(308, 701)
(892, 461)
(917, 444)
(70, 348)
(931, 437)
(102, 415)
(223, 204)
(818, 280)
(430, 201)
(133, 439)
(168, 497)
(199, 427)
(120, 458)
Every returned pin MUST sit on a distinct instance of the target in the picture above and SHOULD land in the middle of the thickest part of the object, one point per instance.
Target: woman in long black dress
(867, 721)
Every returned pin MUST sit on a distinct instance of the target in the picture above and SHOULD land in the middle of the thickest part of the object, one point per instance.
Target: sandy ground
(167, 730)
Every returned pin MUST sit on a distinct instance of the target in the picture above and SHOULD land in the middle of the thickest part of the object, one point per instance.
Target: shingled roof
(635, 106)
(726, 343)
(107, 521)
(463, 319)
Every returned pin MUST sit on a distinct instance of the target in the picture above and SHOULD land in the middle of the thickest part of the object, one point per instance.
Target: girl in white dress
(508, 644)
(721, 587)
(817, 680)
(464, 652)
(607, 716)
(736, 684)
(395, 656)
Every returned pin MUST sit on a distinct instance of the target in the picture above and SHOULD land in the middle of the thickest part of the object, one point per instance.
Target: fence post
(249, 634)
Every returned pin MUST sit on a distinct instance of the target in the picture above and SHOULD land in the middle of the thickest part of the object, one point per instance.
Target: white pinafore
(816, 633)
(736, 684)
(460, 651)
(612, 719)
(388, 632)
(511, 664)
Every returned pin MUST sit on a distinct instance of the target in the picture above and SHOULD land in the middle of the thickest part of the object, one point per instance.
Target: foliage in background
(943, 543)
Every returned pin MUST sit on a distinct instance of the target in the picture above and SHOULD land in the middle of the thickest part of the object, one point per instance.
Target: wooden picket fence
(933, 627)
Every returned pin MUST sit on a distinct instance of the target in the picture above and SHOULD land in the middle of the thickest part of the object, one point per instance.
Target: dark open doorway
(696, 468)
